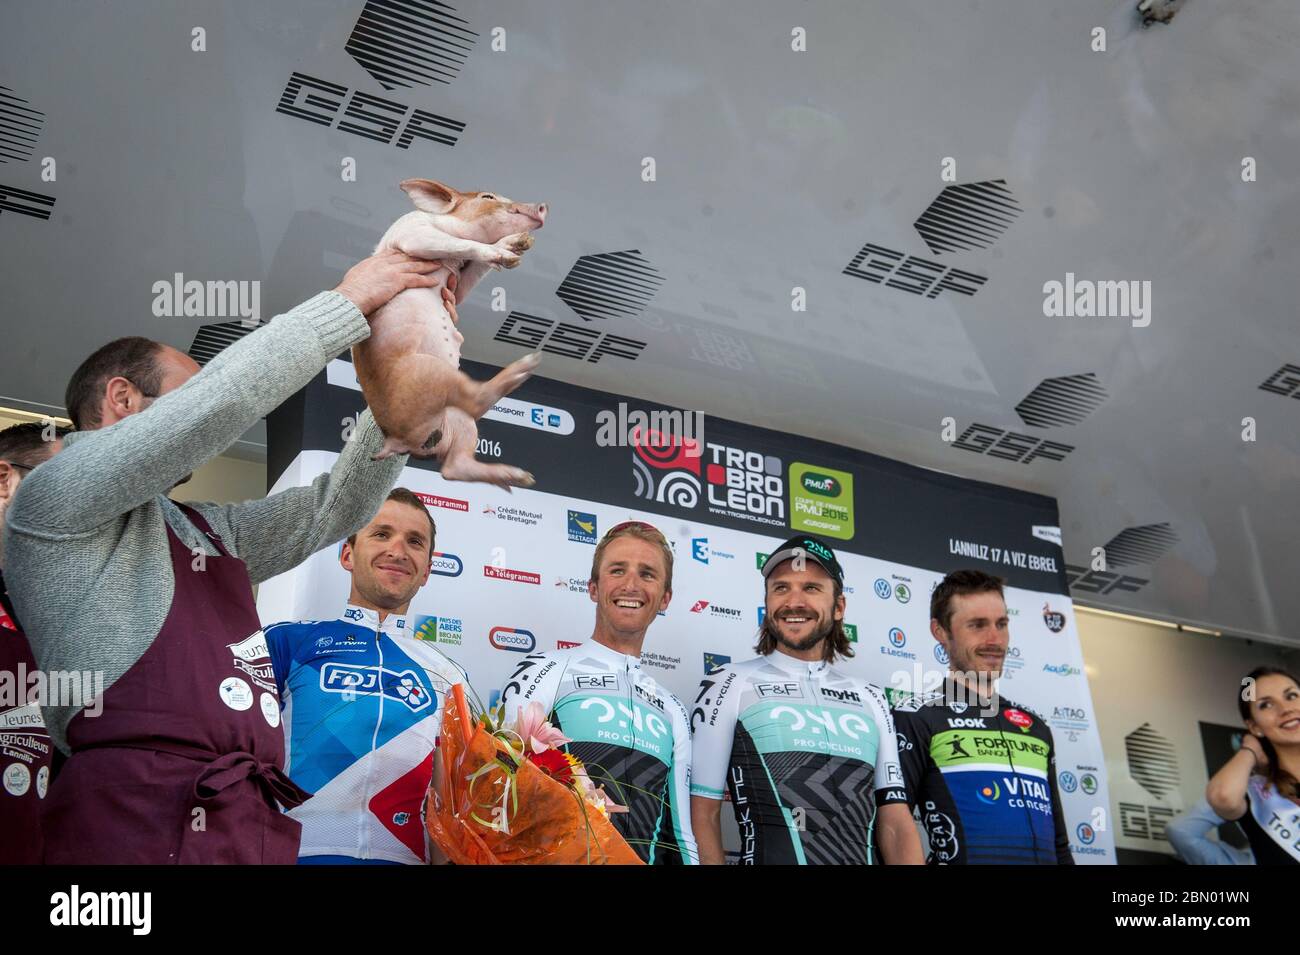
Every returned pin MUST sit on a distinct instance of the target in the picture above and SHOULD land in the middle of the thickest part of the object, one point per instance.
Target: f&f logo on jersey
(784, 690)
(404, 687)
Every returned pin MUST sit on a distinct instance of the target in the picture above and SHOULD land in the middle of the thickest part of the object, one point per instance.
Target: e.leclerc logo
(512, 638)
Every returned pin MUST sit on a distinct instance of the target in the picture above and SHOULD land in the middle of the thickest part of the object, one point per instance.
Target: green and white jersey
(807, 753)
(631, 734)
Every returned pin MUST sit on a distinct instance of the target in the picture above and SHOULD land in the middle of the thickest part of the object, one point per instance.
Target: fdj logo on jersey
(401, 687)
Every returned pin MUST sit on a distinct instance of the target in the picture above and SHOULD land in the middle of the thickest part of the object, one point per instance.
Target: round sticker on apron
(42, 781)
(236, 693)
(17, 778)
(271, 709)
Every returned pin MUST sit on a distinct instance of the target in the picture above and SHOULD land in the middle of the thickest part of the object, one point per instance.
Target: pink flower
(535, 731)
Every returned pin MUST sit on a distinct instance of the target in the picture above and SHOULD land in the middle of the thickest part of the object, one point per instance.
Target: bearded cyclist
(981, 769)
(806, 750)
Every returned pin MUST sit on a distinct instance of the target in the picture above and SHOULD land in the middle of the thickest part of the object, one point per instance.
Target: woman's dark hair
(1282, 781)
(837, 642)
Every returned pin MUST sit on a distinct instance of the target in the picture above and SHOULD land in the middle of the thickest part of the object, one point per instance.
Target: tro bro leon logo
(742, 483)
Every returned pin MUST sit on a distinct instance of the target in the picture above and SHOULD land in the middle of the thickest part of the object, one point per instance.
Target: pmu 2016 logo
(401, 687)
(512, 638)
(821, 500)
(1054, 619)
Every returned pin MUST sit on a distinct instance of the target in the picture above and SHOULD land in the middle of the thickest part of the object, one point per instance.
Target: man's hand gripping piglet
(409, 366)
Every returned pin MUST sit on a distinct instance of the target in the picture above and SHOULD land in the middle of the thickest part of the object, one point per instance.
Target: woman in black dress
(1258, 786)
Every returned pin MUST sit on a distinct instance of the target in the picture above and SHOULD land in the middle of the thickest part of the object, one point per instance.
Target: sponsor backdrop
(511, 569)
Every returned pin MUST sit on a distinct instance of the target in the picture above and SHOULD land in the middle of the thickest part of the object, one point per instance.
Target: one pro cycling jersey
(806, 752)
(632, 735)
(362, 706)
(983, 775)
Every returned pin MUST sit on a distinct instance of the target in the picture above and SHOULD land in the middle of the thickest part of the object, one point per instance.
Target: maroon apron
(25, 751)
(186, 761)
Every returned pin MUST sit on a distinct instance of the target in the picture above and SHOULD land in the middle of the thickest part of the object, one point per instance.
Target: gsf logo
(1010, 446)
(328, 104)
(571, 341)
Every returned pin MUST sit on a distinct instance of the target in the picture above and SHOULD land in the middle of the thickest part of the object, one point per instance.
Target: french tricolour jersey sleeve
(889, 773)
(713, 724)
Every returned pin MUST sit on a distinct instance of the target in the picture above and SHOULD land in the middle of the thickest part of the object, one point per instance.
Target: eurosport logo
(714, 660)
(582, 527)
(883, 588)
(1054, 619)
(1087, 835)
(512, 638)
(403, 687)
(446, 565)
(525, 414)
(1069, 782)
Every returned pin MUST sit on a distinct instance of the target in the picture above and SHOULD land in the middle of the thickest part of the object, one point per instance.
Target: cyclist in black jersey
(805, 750)
(980, 769)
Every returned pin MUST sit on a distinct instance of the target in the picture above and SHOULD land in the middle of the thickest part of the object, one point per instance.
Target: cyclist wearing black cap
(807, 752)
(981, 768)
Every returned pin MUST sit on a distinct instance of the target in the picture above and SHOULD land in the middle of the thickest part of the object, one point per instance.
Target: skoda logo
(903, 593)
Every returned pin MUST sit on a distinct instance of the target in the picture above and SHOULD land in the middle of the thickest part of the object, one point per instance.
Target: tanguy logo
(699, 606)
(511, 638)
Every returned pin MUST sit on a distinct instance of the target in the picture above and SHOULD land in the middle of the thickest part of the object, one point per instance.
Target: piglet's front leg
(430, 243)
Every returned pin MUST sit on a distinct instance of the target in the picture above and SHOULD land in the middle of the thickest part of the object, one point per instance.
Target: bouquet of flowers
(509, 795)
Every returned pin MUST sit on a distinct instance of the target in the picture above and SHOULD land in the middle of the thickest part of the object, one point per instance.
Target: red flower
(554, 763)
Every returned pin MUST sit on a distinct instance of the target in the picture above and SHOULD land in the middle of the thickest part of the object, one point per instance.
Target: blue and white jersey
(362, 707)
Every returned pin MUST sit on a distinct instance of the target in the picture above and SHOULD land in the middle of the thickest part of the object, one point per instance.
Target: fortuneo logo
(511, 638)
(822, 484)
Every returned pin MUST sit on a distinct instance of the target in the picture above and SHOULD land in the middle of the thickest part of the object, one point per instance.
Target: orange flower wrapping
(549, 825)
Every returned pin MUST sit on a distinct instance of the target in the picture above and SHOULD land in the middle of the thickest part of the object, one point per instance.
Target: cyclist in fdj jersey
(363, 700)
(807, 752)
(980, 768)
(632, 734)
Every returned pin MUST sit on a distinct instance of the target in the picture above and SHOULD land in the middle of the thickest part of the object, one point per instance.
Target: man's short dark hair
(407, 497)
(133, 358)
(960, 583)
(25, 444)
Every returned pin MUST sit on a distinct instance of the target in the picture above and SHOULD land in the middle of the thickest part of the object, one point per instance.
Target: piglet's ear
(430, 195)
